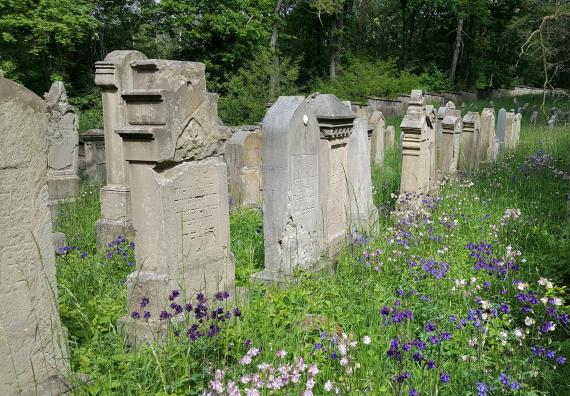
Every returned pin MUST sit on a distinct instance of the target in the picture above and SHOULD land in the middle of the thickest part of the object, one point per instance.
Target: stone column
(377, 122)
(243, 157)
(335, 124)
(33, 342)
(452, 126)
(501, 125)
(113, 75)
(470, 140)
(173, 143)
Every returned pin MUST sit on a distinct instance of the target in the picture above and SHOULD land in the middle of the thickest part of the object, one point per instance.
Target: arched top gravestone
(32, 342)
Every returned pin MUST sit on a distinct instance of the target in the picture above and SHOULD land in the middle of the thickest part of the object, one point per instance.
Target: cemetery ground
(463, 294)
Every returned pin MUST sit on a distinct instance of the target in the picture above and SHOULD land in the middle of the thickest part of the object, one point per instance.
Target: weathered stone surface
(510, 130)
(291, 206)
(390, 137)
(94, 156)
(516, 131)
(452, 126)
(442, 112)
(377, 142)
(489, 145)
(243, 157)
(533, 117)
(333, 167)
(501, 126)
(470, 140)
(33, 344)
(431, 118)
(363, 213)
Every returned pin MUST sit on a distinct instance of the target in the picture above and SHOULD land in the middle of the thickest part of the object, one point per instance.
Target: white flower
(343, 361)
(557, 301)
(366, 340)
(522, 285)
(503, 334)
(529, 321)
(310, 383)
(518, 333)
(281, 354)
(484, 316)
(486, 304)
(328, 386)
(342, 349)
(313, 370)
(464, 358)
(544, 300)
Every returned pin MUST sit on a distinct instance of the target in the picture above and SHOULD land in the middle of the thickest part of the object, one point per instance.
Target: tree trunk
(334, 47)
(404, 39)
(456, 50)
(274, 75)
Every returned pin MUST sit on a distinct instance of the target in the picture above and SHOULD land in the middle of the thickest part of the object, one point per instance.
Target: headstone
(390, 137)
(517, 107)
(452, 127)
(501, 126)
(378, 122)
(533, 117)
(94, 154)
(431, 118)
(243, 158)
(516, 131)
(415, 177)
(470, 139)
(33, 342)
(363, 213)
(552, 119)
(441, 140)
(113, 76)
(63, 148)
(335, 124)
(524, 108)
(290, 167)
(489, 145)
(173, 143)
(510, 130)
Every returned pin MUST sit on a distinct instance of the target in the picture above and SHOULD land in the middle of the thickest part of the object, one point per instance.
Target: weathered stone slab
(501, 126)
(94, 156)
(489, 145)
(510, 131)
(390, 137)
(33, 342)
(291, 209)
(243, 157)
(470, 139)
(516, 131)
(442, 112)
(377, 122)
(452, 126)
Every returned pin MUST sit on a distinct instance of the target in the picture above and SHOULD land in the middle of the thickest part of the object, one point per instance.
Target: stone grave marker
(509, 130)
(501, 126)
(489, 145)
(95, 162)
(470, 139)
(442, 112)
(243, 158)
(516, 130)
(390, 137)
(290, 168)
(377, 122)
(33, 341)
(173, 143)
(533, 117)
(452, 127)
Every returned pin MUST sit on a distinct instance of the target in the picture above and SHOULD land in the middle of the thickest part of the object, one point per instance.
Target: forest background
(256, 50)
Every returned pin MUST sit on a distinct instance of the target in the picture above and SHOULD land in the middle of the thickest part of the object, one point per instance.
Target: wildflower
(343, 362)
(366, 340)
(561, 360)
(431, 364)
(252, 392)
(430, 326)
(237, 312)
(144, 302)
(165, 315)
(413, 392)
(529, 321)
(328, 386)
(313, 370)
(444, 377)
(146, 315)
(173, 295)
(135, 315)
(546, 283)
(547, 326)
(281, 354)
(318, 346)
(481, 389)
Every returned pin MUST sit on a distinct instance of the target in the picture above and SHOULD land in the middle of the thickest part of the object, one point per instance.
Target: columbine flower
(546, 283)
(313, 370)
(529, 321)
(328, 386)
(444, 377)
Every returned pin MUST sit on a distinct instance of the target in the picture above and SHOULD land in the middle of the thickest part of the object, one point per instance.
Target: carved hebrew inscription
(304, 184)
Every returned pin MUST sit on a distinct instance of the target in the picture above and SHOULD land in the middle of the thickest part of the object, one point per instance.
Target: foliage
(246, 231)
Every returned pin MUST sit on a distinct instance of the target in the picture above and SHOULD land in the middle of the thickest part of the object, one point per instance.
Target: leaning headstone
(501, 126)
(510, 130)
(452, 127)
(95, 161)
(173, 143)
(291, 212)
(33, 343)
(243, 158)
(533, 117)
(553, 118)
(335, 124)
(113, 76)
(363, 213)
(63, 148)
(390, 137)
(377, 122)
(488, 144)
(470, 140)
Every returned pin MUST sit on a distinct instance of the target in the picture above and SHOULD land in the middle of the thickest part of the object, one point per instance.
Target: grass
(379, 274)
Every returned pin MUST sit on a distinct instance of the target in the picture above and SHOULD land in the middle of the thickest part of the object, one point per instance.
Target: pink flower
(252, 392)
(308, 392)
(328, 386)
(311, 383)
(245, 360)
(281, 354)
(233, 390)
(217, 386)
(313, 370)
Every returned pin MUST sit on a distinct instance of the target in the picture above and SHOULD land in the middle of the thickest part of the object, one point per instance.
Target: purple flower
(135, 315)
(173, 295)
(434, 340)
(417, 356)
(561, 360)
(146, 315)
(144, 302)
(237, 312)
(430, 326)
(431, 364)
(504, 379)
(413, 392)
(165, 315)
(445, 336)
(188, 307)
(318, 346)
(219, 296)
(385, 311)
(482, 389)
(444, 377)
(247, 343)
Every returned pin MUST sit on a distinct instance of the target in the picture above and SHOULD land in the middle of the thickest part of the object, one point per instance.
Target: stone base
(108, 230)
(282, 279)
(138, 332)
(61, 188)
(59, 240)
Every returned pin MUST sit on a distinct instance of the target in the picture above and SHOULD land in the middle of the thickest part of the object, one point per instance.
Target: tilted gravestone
(173, 143)
(363, 213)
(113, 75)
(452, 127)
(501, 126)
(488, 145)
(336, 125)
(63, 148)
(33, 342)
(390, 137)
(510, 130)
(470, 139)
(377, 122)
(290, 168)
(243, 158)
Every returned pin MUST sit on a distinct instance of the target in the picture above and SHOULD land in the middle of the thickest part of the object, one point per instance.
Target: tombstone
(290, 167)
(488, 144)
(516, 131)
(363, 213)
(243, 158)
(517, 107)
(415, 177)
(335, 124)
(390, 137)
(63, 149)
(501, 126)
(470, 139)
(113, 76)
(441, 141)
(173, 144)
(94, 156)
(553, 117)
(431, 118)
(510, 130)
(524, 108)
(377, 122)
(452, 127)
(533, 117)
(33, 341)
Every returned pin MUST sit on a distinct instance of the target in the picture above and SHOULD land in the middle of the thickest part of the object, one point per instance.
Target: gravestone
(63, 148)
(243, 158)
(553, 117)
(415, 177)
(501, 126)
(95, 162)
(524, 108)
(533, 117)
(173, 143)
(431, 118)
(510, 130)
(335, 123)
(377, 122)
(516, 130)
(442, 112)
(489, 144)
(113, 76)
(33, 342)
(363, 213)
(290, 168)
(390, 137)
(470, 140)
(452, 127)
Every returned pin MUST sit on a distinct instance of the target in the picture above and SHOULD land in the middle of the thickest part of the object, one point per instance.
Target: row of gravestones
(166, 180)
(435, 145)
